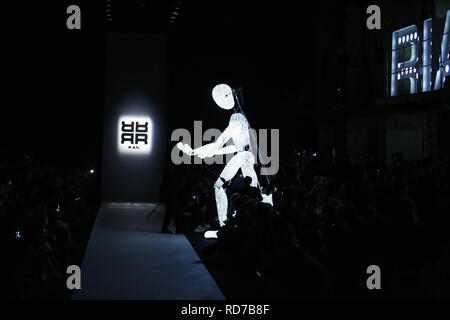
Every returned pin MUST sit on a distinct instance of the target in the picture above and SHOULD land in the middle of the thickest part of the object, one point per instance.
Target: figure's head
(223, 96)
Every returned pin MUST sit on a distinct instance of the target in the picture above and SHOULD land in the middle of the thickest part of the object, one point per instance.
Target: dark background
(288, 59)
(56, 76)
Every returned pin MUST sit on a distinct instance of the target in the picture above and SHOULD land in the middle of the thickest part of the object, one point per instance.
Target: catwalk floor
(128, 258)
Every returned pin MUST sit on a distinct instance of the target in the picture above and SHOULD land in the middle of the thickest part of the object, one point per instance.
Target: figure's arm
(227, 149)
(213, 148)
(206, 149)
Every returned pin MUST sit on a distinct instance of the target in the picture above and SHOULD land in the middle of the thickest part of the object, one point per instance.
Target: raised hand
(185, 148)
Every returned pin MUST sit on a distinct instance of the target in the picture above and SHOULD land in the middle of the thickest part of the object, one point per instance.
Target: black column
(135, 129)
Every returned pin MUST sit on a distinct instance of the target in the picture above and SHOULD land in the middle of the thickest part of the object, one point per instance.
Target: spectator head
(247, 181)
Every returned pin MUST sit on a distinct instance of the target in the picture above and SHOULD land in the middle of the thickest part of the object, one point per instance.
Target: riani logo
(135, 135)
(414, 60)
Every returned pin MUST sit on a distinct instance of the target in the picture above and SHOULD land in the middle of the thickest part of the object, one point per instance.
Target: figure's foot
(165, 230)
(267, 198)
(211, 234)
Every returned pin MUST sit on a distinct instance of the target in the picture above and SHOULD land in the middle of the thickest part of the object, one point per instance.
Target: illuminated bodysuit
(238, 131)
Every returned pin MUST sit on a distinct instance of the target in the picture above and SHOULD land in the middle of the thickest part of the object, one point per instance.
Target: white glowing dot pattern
(223, 96)
(134, 135)
(405, 69)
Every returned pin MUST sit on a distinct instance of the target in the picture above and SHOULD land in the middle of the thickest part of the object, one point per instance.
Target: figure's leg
(248, 167)
(227, 174)
(222, 204)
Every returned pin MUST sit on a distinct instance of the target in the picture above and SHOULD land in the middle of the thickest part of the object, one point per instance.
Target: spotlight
(92, 171)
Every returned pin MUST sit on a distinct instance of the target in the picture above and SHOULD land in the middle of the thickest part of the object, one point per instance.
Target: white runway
(128, 258)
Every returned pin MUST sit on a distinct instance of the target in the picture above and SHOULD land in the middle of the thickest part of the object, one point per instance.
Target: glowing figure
(238, 131)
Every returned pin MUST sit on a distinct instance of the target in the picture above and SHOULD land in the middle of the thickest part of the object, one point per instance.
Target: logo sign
(134, 135)
(412, 58)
